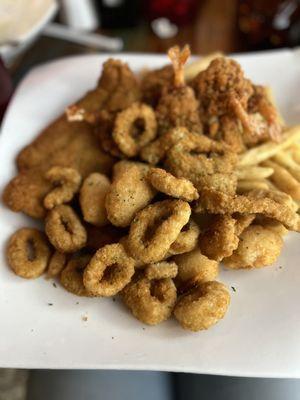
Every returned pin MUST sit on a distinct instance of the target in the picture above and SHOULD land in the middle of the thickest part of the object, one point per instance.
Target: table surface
(214, 28)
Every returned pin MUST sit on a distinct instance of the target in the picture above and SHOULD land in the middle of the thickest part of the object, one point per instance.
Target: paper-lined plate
(260, 335)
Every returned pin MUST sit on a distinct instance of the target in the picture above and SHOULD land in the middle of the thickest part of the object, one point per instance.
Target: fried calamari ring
(161, 270)
(66, 181)
(194, 268)
(150, 301)
(92, 199)
(258, 247)
(134, 128)
(109, 271)
(167, 183)
(64, 229)
(203, 306)
(155, 228)
(57, 264)
(130, 191)
(28, 253)
(72, 276)
(187, 239)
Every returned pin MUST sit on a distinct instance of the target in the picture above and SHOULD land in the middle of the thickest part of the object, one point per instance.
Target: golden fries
(247, 185)
(267, 150)
(193, 69)
(294, 150)
(283, 180)
(286, 161)
(254, 173)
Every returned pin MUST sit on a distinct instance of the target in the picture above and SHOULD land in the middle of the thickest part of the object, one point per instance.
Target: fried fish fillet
(64, 144)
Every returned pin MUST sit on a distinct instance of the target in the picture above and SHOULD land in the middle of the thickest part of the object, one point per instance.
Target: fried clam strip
(194, 268)
(259, 246)
(72, 276)
(187, 239)
(56, 264)
(167, 183)
(161, 270)
(150, 300)
(256, 202)
(66, 183)
(92, 199)
(156, 151)
(205, 162)
(155, 228)
(129, 192)
(221, 238)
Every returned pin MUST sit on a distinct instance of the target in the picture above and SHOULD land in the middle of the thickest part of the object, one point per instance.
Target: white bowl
(20, 24)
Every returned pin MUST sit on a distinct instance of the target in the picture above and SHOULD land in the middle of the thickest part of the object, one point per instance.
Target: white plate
(260, 335)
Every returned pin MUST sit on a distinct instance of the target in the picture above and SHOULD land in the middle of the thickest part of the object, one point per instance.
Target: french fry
(270, 95)
(294, 150)
(283, 180)
(267, 150)
(245, 186)
(286, 160)
(193, 69)
(254, 173)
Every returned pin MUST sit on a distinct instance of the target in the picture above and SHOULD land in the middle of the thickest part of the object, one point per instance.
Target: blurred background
(36, 31)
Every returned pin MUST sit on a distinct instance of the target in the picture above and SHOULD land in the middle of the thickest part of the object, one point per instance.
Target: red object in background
(6, 89)
(269, 23)
(181, 12)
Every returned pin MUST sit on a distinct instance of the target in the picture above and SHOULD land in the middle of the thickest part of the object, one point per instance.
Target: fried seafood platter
(155, 190)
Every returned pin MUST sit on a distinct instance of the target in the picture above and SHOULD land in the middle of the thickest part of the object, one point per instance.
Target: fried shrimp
(56, 264)
(92, 199)
(203, 306)
(194, 268)
(134, 128)
(179, 188)
(72, 276)
(28, 253)
(130, 191)
(109, 271)
(64, 229)
(150, 301)
(258, 247)
(161, 270)
(155, 228)
(66, 181)
(177, 106)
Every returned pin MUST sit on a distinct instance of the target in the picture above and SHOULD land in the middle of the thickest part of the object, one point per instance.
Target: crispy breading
(258, 247)
(153, 82)
(256, 202)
